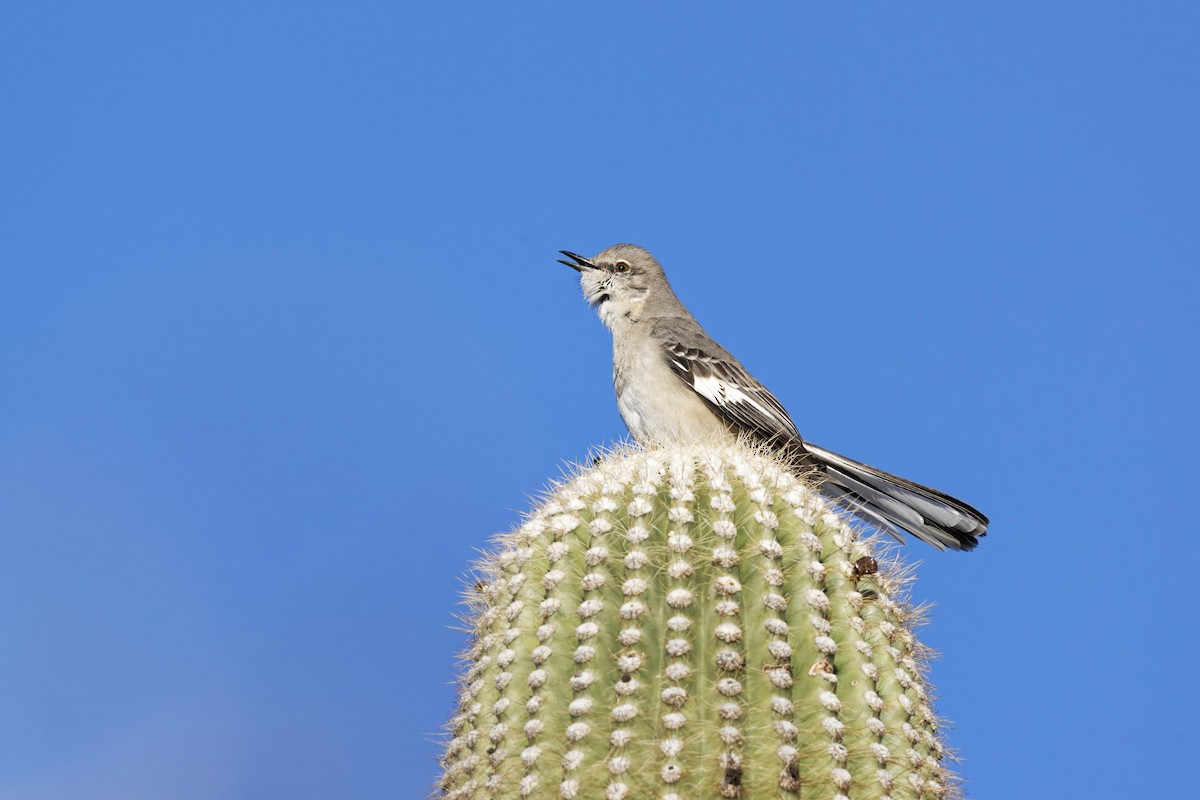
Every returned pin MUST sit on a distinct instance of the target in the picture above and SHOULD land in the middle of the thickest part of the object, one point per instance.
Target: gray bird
(675, 384)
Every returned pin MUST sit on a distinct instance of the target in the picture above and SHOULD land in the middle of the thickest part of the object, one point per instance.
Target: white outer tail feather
(890, 502)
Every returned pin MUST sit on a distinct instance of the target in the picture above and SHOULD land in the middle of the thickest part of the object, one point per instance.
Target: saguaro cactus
(685, 624)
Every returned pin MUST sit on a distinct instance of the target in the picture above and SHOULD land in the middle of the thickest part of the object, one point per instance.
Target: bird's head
(623, 283)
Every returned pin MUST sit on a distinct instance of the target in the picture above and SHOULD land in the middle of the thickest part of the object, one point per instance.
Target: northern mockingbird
(675, 384)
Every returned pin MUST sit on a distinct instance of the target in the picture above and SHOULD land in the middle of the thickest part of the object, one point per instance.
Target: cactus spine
(685, 624)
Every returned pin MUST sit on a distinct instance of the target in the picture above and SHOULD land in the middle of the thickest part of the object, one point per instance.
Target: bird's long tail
(890, 502)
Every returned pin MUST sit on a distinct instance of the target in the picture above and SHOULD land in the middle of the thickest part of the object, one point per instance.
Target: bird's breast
(656, 405)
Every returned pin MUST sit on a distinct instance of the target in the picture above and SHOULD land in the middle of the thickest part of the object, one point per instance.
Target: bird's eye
(621, 266)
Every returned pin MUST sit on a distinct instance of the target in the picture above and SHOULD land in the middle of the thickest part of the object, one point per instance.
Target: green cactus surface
(691, 623)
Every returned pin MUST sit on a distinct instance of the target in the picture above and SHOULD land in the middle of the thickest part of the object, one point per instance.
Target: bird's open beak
(580, 261)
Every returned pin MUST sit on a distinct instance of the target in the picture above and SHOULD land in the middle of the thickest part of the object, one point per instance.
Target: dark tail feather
(890, 502)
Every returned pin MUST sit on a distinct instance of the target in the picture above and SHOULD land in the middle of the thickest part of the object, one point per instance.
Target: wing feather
(730, 391)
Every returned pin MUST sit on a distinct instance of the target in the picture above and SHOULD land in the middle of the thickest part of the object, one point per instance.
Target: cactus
(691, 623)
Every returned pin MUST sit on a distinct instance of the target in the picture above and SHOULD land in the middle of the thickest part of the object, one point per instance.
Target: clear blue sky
(283, 341)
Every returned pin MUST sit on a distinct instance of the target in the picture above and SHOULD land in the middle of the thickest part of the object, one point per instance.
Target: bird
(675, 384)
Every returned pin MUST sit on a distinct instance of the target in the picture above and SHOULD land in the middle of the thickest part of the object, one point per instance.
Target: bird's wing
(728, 389)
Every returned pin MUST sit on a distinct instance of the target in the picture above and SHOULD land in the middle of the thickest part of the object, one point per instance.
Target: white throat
(616, 314)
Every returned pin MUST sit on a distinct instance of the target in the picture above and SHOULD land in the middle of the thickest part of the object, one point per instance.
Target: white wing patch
(725, 394)
(728, 389)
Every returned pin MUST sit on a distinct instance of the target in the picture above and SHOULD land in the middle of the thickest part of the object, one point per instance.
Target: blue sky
(283, 342)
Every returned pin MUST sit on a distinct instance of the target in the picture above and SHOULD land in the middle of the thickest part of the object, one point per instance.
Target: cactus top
(690, 623)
